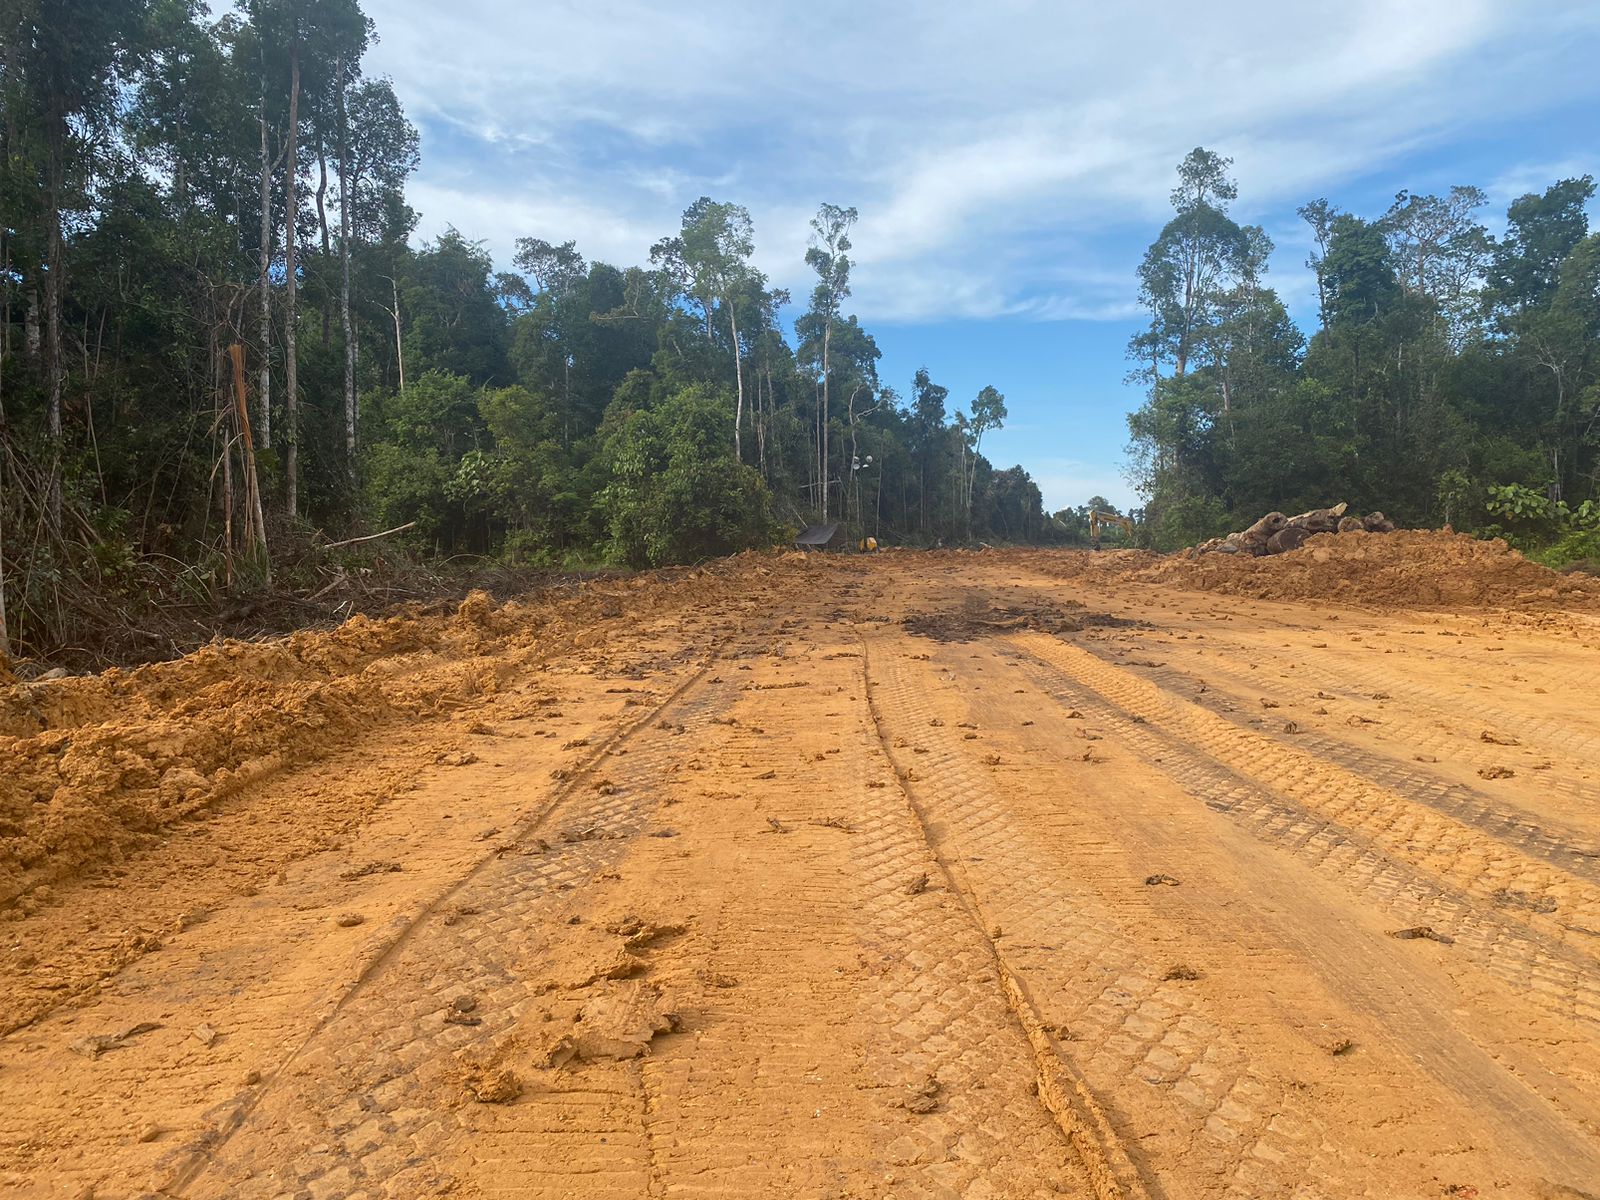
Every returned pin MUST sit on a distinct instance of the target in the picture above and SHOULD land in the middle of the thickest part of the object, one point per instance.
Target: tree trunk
(763, 408)
(972, 479)
(54, 367)
(827, 335)
(291, 168)
(399, 350)
(256, 534)
(30, 323)
(222, 429)
(347, 327)
(322, 223)
(265, 386)
(738, 377)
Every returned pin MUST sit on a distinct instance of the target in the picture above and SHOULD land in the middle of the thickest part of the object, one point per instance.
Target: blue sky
(1010, 160)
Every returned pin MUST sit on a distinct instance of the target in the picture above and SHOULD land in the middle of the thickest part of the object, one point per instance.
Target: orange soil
(1008, 874)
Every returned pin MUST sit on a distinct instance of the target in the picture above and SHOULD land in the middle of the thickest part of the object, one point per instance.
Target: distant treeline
(175, 186)
(1452, 376)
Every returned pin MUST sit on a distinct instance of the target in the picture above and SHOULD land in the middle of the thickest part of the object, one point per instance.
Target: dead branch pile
(1277, 534)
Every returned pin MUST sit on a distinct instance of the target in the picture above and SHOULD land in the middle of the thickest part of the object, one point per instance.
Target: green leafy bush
(676, 493)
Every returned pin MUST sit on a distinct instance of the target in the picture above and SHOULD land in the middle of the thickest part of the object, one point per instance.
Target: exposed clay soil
(1406, 569)
(98, 765)
(1002, 874)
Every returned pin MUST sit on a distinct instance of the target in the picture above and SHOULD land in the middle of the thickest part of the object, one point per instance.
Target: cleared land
(984, 875)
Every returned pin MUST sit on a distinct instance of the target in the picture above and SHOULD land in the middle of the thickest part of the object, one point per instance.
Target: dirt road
(952, 875)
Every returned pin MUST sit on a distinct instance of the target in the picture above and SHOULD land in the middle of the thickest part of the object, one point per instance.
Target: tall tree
(291, 273)
(1189, 264)
(1541, 232)
(1319, 214)
(717, 242)
(828, 256)
(65, 59)
(988, 412)
(1439, 250)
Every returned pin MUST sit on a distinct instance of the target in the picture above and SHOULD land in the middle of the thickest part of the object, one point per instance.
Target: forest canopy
(1451, 377)
(219, 335)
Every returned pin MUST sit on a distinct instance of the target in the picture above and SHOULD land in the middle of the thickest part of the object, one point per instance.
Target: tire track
(1138, 1040)
(1553, 975)
(947, 1020)
(1563, 909)
(353, 1108)
(1563, 847)
(858, 1002)
(1358, 680)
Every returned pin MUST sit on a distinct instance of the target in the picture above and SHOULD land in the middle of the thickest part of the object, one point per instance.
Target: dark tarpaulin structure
(815, 537)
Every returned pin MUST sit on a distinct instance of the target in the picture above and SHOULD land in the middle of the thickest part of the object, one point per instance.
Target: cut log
(1290, 537)
(1320, 520)
(1254, 539)
(1351, 524)
(1376, 522)
(1267, 526)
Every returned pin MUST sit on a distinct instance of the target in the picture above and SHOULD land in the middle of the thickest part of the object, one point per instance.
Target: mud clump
(491, 1085)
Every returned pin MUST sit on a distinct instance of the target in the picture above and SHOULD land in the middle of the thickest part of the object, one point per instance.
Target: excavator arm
(1098, 519)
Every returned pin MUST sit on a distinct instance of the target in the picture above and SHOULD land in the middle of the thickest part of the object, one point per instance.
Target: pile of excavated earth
(1408, 568)
(911, 876)
(97, 766)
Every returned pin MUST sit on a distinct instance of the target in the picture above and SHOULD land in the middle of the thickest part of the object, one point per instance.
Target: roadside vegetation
(1453, 377)
(178, 190)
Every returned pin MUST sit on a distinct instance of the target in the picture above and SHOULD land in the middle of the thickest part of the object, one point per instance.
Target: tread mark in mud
(1557, 736)
(1553, 976)
(1562, 848)
(947, 1020)
(1428, 841)
(1131, 1028)
(350, 1110)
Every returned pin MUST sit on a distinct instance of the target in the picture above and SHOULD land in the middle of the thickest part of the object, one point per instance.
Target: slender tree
(828, 256)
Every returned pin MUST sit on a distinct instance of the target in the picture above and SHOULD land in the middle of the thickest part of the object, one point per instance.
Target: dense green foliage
(173, 185)
(1448, 366)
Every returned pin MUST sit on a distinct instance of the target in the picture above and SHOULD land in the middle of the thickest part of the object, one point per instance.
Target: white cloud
(1002, 156)
(1069, 482)
(1523, 178)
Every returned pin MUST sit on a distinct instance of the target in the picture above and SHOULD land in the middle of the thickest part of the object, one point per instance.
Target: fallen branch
(338, 581)
(370, 536)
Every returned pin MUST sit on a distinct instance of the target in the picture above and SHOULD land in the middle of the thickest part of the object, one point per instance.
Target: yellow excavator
(1098, 519)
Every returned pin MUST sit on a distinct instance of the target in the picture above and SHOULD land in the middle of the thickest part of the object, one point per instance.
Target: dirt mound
(97, 766)
(1410, 568)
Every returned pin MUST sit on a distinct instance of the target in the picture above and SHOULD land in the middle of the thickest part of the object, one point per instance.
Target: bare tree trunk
(762, 408)
(738, 376)
(290, 364)
(30, 323)
(346, 325)
(816, 454)
(827, 335)
(265, 386)
(854, 492)
(399, 351)
(225, 435)
(54, 367)
(322, 222)
(255, 521)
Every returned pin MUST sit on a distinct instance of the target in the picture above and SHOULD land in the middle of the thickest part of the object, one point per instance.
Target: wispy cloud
(1003, 156)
